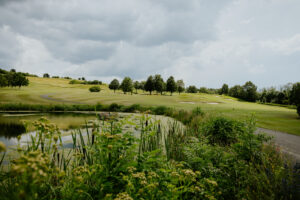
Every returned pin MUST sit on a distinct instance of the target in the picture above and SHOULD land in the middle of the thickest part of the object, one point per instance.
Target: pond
(11, 125)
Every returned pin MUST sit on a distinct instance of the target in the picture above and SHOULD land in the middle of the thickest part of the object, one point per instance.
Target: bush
(74, 82)
(95, 89)
(222, 131)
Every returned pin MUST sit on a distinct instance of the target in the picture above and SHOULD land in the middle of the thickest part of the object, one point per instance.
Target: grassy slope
(270, 117)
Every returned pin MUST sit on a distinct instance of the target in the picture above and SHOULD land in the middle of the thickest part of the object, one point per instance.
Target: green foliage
(180, 86)
(126, 85)
(159, 83)
(46, 75)
(109, 162)
(192, 89)
(114, 85)
(224, 89)
(222, 131)
(295, 94)
(149, 85)
(171, 85)
(95, 89)
(136, 86)
(74, 81)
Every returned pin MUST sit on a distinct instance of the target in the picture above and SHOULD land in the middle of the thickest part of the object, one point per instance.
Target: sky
(204, 42)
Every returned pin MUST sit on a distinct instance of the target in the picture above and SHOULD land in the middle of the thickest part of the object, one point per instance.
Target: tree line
(13, 79)
(153, 83)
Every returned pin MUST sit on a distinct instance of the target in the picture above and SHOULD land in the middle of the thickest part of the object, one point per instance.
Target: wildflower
(109, 146)
(2, 147)
(131, 169)
(123, 196)
(214, 183)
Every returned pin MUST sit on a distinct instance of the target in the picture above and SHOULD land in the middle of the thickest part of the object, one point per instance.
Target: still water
(11, 124)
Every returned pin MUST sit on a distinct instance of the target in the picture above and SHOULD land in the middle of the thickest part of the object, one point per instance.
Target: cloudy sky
(204, 42)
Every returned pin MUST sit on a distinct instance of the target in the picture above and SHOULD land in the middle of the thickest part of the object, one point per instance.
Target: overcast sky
(204, 42)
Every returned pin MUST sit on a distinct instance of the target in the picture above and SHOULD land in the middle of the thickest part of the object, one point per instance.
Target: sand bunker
(212, 103)
(188, 102)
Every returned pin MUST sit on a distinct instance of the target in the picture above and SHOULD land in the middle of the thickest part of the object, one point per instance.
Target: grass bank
(60, 92)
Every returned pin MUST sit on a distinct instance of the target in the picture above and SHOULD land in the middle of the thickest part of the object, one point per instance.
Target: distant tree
(13, 70)
(136, 85)
(3, 81)
(114, 85)
(295, 94)
(142, 85)
(191, 89)
(236, 91)
(55, 76)
(82, 78)
(46, 75)
(171, 85)
(180, 86)
(203, 90)
(21, 80)
(224, 89)
(126, 85)
(150, 85)
(250, 91)
(158, 83)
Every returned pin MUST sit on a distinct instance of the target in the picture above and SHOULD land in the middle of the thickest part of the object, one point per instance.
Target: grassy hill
(59, 91)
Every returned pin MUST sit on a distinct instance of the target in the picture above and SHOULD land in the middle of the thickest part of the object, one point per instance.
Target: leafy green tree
(295, 94)
(191, 89)
(236, 91)
(126, 85)
(180, 86)
(142, 85)
(150, 85)
(224, 89)
(21, 80)
(203, 90)
(46, 75)
(250, 91)
(114, 85)
(3, 81)
(158, 83)
(136, 85)
(171, 85)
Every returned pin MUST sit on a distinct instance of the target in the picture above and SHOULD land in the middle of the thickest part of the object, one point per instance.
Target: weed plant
(216, 158)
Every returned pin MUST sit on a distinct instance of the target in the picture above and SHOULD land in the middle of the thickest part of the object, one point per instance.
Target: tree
(295, 94)
(21, 80)
(126, 85)
(114, 85)
(136, 85)
(224, 89)
(158, 83)
(150, 85)
(236, 91)
(180, 86)
(191, 89)
(142, 85)
(203, 90)
(3, 81)
(250, 91)
(46, 75)
(171, 85)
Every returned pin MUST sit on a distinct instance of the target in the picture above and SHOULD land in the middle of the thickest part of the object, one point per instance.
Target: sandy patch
(188, 102)
(213, 103)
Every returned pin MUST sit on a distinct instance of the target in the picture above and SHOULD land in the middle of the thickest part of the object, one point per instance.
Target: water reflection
(11, 124)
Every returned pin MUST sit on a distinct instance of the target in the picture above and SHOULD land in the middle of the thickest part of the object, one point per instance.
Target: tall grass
(173, 161)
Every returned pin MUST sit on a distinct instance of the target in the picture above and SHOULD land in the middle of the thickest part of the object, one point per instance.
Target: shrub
(222, 131)
(74, 82)
(114, 107)
(95, 89)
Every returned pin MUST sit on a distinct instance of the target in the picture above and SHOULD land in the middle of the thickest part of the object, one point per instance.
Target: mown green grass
(270, 117)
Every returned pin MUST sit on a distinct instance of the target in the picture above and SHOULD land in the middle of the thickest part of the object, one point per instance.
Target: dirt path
(46, 96)
(289, 143)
